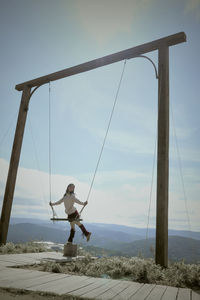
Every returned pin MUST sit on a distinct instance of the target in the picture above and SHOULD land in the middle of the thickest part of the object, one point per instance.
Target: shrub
(29, 247)
(134, 269)
(56, 268)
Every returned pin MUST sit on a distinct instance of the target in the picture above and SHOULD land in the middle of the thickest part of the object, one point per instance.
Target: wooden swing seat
(65, 219)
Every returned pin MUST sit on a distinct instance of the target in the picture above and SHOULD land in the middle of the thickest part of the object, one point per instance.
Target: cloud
(180, 209)
(125, 202)
(134, 125)
(105, 203)
(128, 131)
(128, 142)
(193, 6)
(105, 19)
(186, 153)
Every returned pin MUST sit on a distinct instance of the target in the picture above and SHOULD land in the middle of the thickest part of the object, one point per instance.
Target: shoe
(88, 236)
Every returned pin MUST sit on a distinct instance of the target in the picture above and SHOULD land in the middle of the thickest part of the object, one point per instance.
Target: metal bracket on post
(144, 56)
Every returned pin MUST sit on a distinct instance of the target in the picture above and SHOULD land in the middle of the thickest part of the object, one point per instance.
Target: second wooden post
(163, 158)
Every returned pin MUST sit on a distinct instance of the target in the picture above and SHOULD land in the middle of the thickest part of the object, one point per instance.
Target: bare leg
(77, 223)
(72, 232)
(72, 224)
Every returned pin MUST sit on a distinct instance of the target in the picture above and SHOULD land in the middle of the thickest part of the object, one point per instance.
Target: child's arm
(80, 202)
(57, 202)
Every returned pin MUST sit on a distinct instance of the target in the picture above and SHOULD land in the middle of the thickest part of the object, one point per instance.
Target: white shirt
(69, 201)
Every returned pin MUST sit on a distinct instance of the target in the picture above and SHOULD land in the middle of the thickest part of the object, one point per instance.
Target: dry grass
(29, 247)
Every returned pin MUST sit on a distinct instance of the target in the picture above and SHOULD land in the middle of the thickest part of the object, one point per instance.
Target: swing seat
(65, 219)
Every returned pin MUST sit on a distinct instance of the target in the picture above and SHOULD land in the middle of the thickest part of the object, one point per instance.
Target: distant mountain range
(108, 239)
(136, 233)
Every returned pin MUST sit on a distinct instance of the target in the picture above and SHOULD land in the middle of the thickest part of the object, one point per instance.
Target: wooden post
(70, 250)
(163, 158)
(14, 162)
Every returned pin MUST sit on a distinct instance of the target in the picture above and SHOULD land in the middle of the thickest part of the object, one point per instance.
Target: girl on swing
(69, 199)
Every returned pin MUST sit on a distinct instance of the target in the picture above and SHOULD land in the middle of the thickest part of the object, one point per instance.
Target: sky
(40, 37)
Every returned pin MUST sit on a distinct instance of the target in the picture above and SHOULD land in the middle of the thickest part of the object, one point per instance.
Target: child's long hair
(67, 190)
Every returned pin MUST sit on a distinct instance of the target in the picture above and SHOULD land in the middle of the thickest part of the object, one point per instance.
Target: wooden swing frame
(162, 45)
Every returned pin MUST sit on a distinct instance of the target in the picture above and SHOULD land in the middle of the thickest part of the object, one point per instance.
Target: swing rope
(50, 141)
(50, 194)
(181, 171)
(106, 134)
(151, 190)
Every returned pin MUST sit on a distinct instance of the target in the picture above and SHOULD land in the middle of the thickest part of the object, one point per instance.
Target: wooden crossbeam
(106, 60)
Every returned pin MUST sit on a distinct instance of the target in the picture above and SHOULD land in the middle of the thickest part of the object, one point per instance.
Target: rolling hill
(107, 239)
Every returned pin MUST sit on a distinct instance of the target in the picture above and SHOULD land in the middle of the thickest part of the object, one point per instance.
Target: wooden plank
(157, 293)
(129, 291)
(5, 264)
(95, 293)
(195, 296)
(58, 284)
(115, 290)
(28, 258)
(65, 219)
(170, 293)
(12, 258)
(11, 276)
(13, 272)
(96, 282)
(106, 60)
(20, 273)
(34, 255)
(18, 257)
(184, 294)
(45, 255)
(45, 278)
(142, 293)
(41, 279)
(15, 262)
(74, 284)
(18, 280)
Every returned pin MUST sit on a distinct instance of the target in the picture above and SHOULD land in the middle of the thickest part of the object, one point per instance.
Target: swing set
(29, 87)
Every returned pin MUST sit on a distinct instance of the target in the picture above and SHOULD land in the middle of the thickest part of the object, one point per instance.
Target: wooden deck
(82, 286)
